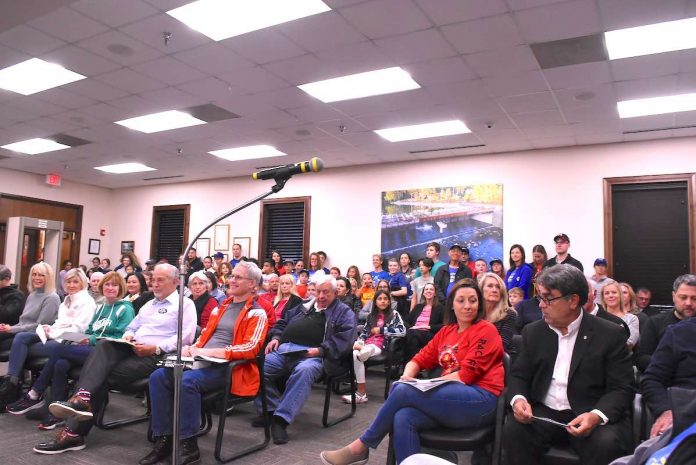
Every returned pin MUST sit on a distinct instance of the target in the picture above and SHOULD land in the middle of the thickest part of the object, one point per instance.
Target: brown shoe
(75, 407)
(344, 457)
(62, 443)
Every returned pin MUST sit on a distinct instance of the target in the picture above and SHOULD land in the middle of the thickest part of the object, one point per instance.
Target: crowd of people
(581, 336)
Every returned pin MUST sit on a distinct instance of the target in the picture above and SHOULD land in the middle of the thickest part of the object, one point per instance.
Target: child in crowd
(301, 288)
(367, 292)
(515, 296)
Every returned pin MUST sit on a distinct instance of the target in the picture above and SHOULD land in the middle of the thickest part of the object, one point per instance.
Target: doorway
(649, 231)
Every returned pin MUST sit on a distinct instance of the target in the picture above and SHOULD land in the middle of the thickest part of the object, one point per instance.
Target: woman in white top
(612, 301)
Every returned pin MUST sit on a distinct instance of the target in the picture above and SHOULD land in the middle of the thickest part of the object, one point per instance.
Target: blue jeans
(194, 383)
(301, 372)
(55, 372)
(407, 411)
(25, 345)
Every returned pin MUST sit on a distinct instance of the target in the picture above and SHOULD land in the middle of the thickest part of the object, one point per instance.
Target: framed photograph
(94, 246)
(226, 257)
(245, 242)
(221, 237)
(127, 246)
(203, 247)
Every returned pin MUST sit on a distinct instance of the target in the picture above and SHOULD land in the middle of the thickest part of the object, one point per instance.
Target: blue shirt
(397, 281)
(377, 276)
(453, 274)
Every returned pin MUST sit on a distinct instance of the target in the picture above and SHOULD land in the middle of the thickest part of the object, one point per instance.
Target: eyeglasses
(237, 277)
(548, 301)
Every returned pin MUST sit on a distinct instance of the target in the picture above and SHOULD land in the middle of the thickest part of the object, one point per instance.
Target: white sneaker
(359, 398)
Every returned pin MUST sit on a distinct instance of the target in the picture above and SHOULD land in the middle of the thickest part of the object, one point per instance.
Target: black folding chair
(392, 358)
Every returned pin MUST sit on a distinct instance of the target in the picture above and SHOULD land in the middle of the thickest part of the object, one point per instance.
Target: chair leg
(327, 400)
(391, 457)
(107, 425)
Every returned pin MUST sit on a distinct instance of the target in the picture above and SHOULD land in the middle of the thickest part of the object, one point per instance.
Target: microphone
(314, 165)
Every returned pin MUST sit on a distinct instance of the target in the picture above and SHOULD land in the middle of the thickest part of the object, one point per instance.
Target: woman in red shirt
(470, 352)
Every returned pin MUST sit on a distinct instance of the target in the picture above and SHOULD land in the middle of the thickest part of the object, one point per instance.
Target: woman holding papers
(470, 352)
(110, 320)
(73, 315)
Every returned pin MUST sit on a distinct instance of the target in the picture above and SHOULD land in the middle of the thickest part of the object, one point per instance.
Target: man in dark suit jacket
(573, 368)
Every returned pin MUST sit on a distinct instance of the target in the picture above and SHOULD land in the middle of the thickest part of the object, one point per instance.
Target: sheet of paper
(426, 384)
(548, 420)
(41, 333)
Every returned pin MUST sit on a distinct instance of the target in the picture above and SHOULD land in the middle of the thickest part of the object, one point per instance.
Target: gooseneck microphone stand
(178, 366)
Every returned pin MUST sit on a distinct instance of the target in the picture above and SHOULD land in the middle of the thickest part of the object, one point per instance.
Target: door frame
(690, 179)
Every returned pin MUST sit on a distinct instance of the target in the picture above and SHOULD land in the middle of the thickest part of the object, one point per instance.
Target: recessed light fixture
(423, 131)
(35, 75)
(657, 105)
(34, 146)
(381, 81)
(653, 38)
(248, 153)
(162, 121)
(221, 19)
(123, 168)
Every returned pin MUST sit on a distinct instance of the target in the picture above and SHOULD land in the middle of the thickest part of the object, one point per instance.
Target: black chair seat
(456, 439)
(558, 455)
(4, 355)
(35, 364)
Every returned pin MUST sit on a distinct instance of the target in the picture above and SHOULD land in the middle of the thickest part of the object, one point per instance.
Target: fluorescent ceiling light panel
(34, 146)
(657, 105)
(381, 81)
(653, 38)
(221, 19)
(35, 75)
(162, 121)
(248, 153)
(123, 168)
(423, 131)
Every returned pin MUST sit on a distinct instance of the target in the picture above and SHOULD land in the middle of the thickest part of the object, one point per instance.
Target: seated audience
(367, 291)
(643, 296)
(684, 299)
(137, 291)
(562, 244)
(278, 266)
(236, 255)
(109, 320)
(288, 267)
(497, 310)
(96, 267)
(267, 271)
(105, 265)
(515, 296)
(539, 259)
(382, 323)
(353, 273)
(208, 264)
(272, 283)
(315, 265)
(287, 296)
(378, 272)
(11, 299)
(612, 301)
(236, 331)
(218, 259)
(193, 263)
(67, 266)
(344, 294)
(40, 307)
(302, 282)
(204, 302)
(527, 312)
(497, 268)
(322, 261)
(432, 251)
(213, 290)
(74, 314)
(152, 334)
(480, 266)
(335, 272)
(406, 266)
(147, 274)
(466, 261)
(418, 284)
(520, 273)
(128, 259)
(574, 369)
(93, 290)
(399, 287)
(672, 364)
(449, 274)
(224, 271)
(306, 343)
(597, 310)
(631, 305)
(424, 321)
(299, 266)
(470, 352)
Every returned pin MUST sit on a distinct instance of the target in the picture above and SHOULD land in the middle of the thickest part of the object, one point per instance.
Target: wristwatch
(158, 351)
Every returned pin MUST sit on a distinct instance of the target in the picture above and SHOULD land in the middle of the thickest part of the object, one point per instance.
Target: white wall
(97, 204)
(545, 192)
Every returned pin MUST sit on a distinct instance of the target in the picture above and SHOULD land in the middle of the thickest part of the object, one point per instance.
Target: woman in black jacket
(424, 321)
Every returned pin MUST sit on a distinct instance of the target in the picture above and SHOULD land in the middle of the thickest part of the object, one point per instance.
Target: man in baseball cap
(449, 274)
(562, 242)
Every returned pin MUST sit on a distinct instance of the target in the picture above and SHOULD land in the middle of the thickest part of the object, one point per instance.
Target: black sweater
(11, 304)
(436, 314)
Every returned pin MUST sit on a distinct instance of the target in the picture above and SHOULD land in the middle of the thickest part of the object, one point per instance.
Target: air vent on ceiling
(68, 140)
(447, 148)
(670, 128)
(574, 51)
(2, 157)
(164, 177)
(210, 113)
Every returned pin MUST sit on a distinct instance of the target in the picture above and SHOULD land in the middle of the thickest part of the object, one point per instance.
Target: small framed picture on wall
(245, 243)
(94, 246)
(127, 247)
(203, 247)
(221, 237)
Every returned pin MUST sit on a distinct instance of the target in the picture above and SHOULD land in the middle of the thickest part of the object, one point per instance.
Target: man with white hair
(309, 341)
(148, 338)
(93, 290)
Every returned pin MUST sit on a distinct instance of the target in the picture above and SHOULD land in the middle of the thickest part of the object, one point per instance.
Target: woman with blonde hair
(74, 314)
(612, 300)
(497, 309)
(287, 296)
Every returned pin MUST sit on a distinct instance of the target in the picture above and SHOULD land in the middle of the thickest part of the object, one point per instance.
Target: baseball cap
(219, 255)
(456, 246)
(151, 261)
(495, 260)
(600, 261)
(562, 236)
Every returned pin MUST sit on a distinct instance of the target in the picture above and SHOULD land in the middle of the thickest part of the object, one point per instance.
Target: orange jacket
(250, 330)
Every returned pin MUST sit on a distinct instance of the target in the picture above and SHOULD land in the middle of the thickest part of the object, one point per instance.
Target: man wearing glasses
(573, 369)
(562, 242)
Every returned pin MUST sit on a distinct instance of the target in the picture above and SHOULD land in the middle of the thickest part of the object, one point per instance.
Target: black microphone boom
(284, 172)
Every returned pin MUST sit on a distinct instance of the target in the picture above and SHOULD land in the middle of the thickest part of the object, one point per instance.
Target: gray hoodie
(40, 308)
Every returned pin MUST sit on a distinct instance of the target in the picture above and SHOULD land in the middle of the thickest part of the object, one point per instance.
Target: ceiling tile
(68, 25)
(80, 60)
(424, 45)
(169, 70)
(620, 14)
(572, 77)
(443, 12)
(645, 123)
(524, 83)
(548, 142)
(117, 46)
(501, 62)
(440, 71)
(483, 34)
(213, 59)
(384, 18)
(171, 97)
(321, 32)
(151, 31)
(591, 113)
(115, 14)
(559, 21)
(264, 46)
(602, 94)
(210, 89)
(525, 4)
(35, 105)
(9, 57)
(96, 90)
(539, 118)
(52, 125)
(64, 98)
(644, 88)
(130, 81)
(529, 102)
(29, 40)
(662, 64)
(254, 80)
(288, 97)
